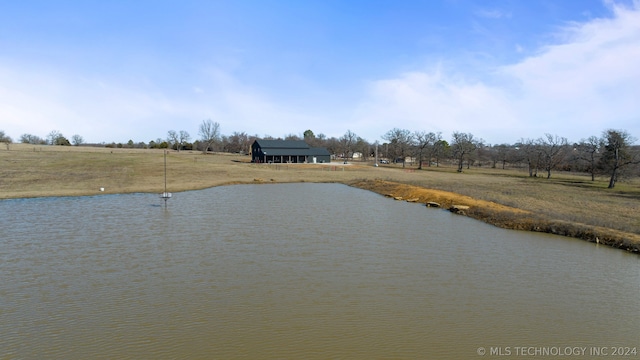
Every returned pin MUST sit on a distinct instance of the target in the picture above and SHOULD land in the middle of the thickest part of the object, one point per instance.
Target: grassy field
(568, 204)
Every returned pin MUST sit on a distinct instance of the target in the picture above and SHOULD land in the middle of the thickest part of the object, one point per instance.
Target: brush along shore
(567, 204)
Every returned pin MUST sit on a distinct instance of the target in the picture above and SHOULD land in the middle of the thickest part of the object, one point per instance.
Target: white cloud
(433, 101)
(39, 100)
(575, 89)
(589, 82)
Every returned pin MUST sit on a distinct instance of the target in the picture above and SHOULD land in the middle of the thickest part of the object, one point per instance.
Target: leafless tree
(6, 139)
(183, 138)
(400, 143)
(174, 139)
(54, 137)
(553, 149)
(292, 137)
(77, 140)
(588, 150)
(209, 132)
(617, 154)
(236, 143)
(333, 145)
(462, 146)
(530, 153)
(423, 142)
(347, 142)
(363, 147)
(31, 139)
(500, 153)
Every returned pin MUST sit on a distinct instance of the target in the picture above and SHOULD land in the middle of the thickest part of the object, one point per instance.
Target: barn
(287, 151)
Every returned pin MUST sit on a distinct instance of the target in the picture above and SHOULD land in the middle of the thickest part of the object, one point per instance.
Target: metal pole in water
(165, 195)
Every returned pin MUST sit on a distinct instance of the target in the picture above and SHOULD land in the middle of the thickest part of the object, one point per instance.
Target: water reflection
(291, 271)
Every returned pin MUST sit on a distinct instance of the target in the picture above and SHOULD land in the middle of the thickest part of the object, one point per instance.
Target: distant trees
(552, 149)
(55, 137)
(308, 134)
(6, 139)
(363, 147)
(441, 148)
(529, 152)
(238, 142)
(617, 155)
(209, 132)
(462, 146)
(400, 144)
(77, 140)
(32, 139)
(500, 153)
(293, 137)
(429, 146)
(612, 154)
(178, 139)
(347, 143)
(588, 150)
(314, 140)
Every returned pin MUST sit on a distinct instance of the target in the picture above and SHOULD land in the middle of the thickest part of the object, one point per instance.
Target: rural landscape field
(567, 204)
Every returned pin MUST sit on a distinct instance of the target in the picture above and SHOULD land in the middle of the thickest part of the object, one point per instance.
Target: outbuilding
(287, 151)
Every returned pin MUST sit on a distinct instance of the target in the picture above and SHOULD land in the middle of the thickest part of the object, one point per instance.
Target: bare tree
(423, 142)
(553, 150)
(400, 143)
(462, 146)
(54, 137)
(347, 142)
(5, 139)
(174, 139)
(333, 145)
(77, 140)
(293, 137)
(238, 142)
(617, 154)
(209, 132)
(529, 152)
(500, 153)
(363, 147)
(588, 150)
(183, 138)
(31, 139)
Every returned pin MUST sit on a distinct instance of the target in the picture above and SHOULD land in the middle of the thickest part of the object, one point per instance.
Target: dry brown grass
(567, 204)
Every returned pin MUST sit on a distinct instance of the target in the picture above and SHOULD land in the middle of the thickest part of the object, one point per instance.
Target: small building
(287, 151)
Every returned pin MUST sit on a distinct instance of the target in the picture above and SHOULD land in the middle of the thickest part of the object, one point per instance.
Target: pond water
(299, 271)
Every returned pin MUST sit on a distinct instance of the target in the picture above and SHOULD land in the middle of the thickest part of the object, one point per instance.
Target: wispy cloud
(576, 88)
(582, 83)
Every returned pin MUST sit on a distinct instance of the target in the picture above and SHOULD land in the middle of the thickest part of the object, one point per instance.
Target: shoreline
(569, 204)
(502, 216)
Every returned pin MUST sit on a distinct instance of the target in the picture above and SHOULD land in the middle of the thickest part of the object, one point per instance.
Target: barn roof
(290, 147)
(282, 144)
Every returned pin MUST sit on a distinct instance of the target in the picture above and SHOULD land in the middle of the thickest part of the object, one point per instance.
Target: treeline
(612, 153)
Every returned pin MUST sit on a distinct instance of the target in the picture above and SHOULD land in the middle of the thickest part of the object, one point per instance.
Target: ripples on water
(295, 271)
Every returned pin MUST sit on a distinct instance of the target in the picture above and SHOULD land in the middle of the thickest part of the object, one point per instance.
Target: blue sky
(502, 70)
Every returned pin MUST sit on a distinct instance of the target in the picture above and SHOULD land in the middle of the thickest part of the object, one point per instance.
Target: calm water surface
(297, 271)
